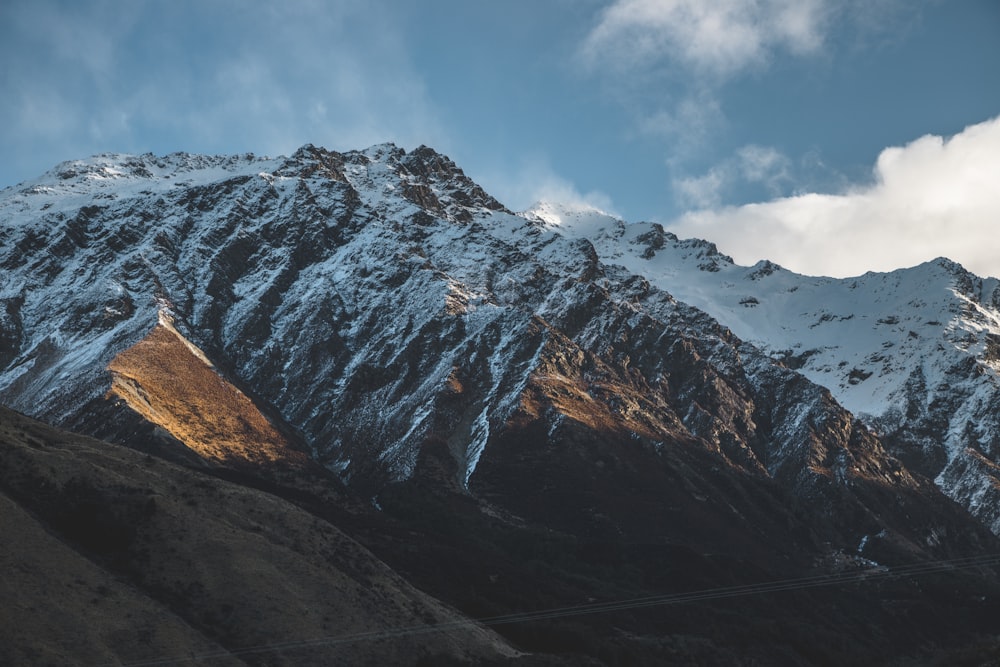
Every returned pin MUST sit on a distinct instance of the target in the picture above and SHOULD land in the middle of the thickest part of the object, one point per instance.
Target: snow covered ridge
(379, 299)
(915, 352)
(244, 251)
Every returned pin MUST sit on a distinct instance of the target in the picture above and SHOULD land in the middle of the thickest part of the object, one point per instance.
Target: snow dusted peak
(567, 214)
(311, 160)
(949, 265)
(646, 239)
(765, 268)
(108, 177)
(119, 172)
(428, 163)
(115, 167)
(458, 194)
(385, 175)
(387, 152)
(981, 290)
(577, 220)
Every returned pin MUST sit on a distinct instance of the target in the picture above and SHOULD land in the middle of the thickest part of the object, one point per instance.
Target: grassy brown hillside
(60, 608)
(111, 556)
(170, 383)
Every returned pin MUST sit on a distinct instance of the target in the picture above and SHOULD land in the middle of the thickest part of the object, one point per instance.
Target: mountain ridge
(913, 352)
(242, 277)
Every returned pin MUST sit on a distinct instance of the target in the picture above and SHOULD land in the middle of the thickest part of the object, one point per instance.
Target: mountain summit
(618, 405)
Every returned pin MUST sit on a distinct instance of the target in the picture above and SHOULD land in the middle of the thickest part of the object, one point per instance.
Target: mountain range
(348, 406)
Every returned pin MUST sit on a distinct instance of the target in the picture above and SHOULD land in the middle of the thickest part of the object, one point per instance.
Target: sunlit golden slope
(170, 382)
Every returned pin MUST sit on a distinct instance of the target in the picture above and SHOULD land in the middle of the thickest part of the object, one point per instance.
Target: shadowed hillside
(111, 556)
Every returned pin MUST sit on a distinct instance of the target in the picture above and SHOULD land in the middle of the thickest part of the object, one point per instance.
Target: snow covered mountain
(914, 353)
(359, 293)
(552, 377)
(255, 257)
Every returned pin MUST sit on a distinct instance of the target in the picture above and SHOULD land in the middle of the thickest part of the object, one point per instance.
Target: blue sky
(790, 129)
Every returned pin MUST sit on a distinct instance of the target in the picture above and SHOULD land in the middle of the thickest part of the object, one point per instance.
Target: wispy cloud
(935, 196)
(701, 192)
(688, 124)
(670, 63)
(715, 37)
(674, 64)
(763, 166)
(208, 77)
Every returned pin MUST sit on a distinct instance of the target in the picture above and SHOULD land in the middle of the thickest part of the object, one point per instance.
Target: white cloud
(933, 197)
(763, 164)
(718, 37)
(703, 191)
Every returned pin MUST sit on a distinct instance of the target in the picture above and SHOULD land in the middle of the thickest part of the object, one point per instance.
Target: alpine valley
(347, 408)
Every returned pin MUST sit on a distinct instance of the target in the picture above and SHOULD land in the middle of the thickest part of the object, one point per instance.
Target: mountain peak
(575, 219)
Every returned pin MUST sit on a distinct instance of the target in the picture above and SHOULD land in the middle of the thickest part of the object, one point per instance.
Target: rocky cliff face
(378, 314)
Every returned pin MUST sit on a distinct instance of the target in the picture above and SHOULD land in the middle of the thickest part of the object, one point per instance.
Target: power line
(800, 583)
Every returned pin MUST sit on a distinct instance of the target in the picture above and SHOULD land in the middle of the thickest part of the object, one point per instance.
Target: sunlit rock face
(171, 383)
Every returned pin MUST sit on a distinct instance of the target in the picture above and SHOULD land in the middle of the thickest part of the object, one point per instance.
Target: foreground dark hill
(507, 421)
(111, 556)
(117, 557)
